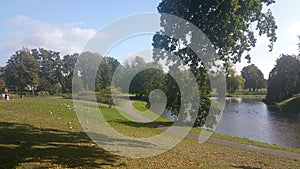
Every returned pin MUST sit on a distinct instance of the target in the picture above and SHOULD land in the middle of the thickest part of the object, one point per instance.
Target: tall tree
(283, 79)
(21, 70)
(69, 62)
(51, 69)
(146, 81)
(227, 24)
(104, 75)
(86, 64)
(254, 78)
(234, 81)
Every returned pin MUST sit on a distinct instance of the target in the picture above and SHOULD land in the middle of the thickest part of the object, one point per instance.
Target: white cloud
(291, 38)
(66, 38)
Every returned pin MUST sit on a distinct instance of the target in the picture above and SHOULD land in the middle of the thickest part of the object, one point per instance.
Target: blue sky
(66, 25)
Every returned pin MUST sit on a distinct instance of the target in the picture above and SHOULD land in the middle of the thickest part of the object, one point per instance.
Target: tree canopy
(227, 24)
(283, 79)
(254, 78)
(21, 70)
(234, 81)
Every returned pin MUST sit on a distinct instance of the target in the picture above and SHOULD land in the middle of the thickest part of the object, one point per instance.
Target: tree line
(284, 79)
(45, 71)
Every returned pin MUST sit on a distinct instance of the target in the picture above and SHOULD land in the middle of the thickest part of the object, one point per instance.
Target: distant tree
(254, 78)
(69, 62)
(2, 81)
(2, 84)
(233, 81)
(114, 63)
(105, 72)
(51, 70)
(22, 70)
(282, 82)
(146, 81)
(142, 77)
(104, 75)
(87, 65)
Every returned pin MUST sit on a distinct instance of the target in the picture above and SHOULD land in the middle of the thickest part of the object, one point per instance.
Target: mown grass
(140, 107)
(33, 137)
(260, 92)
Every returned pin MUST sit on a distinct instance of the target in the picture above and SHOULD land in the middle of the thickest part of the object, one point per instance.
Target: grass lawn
(246, 92)
(45, 133)
(140, 107)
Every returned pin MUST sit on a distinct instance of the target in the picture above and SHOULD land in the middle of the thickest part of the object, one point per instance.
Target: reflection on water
(251, 118)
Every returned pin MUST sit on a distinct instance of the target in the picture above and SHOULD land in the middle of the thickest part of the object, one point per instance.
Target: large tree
(283, 78)
(227, 24)
(104, 75)
(21, 70)
(234, 81)
(254, 78)
(51, 70)
(69, 62)
(146, 81)
(86, 64)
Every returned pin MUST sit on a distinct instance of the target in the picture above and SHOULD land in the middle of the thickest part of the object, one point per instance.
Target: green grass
(140, 107)
(291, 104)
(33, 137)
(261, 92)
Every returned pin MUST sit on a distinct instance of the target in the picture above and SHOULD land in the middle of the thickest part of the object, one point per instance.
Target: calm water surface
(251, 118)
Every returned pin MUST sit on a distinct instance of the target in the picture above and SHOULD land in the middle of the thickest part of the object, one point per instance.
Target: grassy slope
(33, 137)
(140, 107)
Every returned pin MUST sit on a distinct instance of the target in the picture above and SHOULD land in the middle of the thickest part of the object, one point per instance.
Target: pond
(251, 118)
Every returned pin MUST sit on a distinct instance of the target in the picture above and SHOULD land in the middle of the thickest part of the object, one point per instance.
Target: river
(251, 118)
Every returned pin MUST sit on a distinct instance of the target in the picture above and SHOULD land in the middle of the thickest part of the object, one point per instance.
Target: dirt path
(128, 108)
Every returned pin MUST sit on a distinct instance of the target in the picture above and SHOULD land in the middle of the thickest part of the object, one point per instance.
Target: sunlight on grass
(140, 107)
(45, 133)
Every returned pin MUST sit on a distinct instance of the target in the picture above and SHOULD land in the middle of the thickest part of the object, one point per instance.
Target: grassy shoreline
(138, 104)
(45, 133)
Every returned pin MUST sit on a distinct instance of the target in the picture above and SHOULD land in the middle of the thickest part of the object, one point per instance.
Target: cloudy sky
(67, 25)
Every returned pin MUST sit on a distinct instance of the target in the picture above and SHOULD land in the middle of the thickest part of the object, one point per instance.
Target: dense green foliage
(234, 81)
(227, 24)
(254, 78)
(45, 71)
(21, 70)
(283, 79)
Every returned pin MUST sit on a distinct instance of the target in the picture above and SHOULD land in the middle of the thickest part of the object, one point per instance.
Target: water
(252, 119)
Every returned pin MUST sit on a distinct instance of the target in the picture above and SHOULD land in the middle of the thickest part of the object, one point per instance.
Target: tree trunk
(32, 90)
(21, 96)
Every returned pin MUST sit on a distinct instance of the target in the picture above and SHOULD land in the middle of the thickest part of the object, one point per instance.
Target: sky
(67, 25)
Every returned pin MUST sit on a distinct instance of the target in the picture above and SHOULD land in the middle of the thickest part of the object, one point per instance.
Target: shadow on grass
(245, 167)
(149, 124)
(23, 143)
